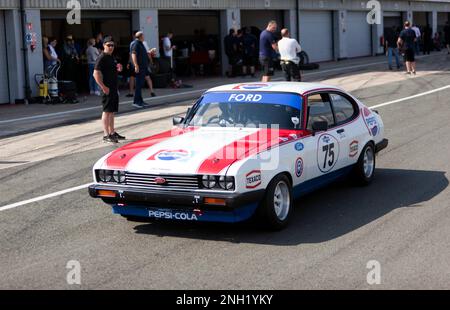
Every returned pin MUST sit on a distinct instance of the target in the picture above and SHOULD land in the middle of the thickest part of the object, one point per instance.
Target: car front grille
(171, 181)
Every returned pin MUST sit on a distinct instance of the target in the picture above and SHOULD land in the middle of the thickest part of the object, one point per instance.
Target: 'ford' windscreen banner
(292, 100)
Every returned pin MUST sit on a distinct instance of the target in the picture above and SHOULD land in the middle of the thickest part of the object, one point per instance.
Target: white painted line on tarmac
(49, 115)
(56, 194)
(411, 97)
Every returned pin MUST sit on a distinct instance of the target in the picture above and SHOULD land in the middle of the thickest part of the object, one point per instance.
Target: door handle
(341, 131)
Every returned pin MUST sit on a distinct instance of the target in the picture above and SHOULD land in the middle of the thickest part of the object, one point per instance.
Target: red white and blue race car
(243, 150)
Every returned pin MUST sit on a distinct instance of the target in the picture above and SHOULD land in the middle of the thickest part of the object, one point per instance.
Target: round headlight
(119, 176)
(105, 175)
(209, 181)
(226, 183)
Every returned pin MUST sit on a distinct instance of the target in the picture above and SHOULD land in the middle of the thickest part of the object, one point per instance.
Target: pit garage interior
(118, 23)
(197, 38)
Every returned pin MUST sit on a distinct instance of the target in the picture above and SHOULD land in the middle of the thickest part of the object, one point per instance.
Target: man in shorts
(267, 50)
(406, 42)
(105, 74)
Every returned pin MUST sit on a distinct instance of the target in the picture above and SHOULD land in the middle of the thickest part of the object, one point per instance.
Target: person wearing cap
(105, 74)
(139, 63)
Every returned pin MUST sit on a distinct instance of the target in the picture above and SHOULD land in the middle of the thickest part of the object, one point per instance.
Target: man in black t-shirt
(406, 42)
(391, 36)
(230, 50)
(249, 45)
(105, 74)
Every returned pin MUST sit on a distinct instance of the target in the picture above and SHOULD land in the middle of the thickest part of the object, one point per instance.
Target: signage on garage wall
(31, 37)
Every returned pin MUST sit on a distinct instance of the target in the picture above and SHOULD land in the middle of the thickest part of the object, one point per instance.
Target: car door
(350, 133)
(323, 148)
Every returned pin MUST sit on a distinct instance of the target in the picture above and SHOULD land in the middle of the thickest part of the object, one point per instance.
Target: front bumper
(180, 205)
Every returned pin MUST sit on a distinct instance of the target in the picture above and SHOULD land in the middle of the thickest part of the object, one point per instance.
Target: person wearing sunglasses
(106, 74)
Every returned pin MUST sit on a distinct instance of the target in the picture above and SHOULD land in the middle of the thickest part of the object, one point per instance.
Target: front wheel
(275, 209)
(364, 170)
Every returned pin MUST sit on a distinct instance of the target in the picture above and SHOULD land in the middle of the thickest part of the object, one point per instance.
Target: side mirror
(319, 126)
(295, 121)
(177, 120)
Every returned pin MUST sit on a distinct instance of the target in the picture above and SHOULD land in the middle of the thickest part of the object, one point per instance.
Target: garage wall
(316, 34)
(4, 88)
(359, 35)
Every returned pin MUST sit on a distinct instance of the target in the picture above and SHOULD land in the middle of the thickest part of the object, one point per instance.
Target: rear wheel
(275, 209)
(364, 170)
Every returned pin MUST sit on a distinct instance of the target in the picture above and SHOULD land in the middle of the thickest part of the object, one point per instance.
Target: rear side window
(319, 110)
(344, 110)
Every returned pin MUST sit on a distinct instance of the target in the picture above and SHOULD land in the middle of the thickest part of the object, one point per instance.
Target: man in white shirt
(289, 49)
(168, 48)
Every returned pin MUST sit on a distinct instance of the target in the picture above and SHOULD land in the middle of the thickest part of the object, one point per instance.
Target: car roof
(289, 87)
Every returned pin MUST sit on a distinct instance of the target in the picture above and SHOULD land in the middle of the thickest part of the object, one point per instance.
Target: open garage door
(316, 34)
(4, 87)
(359, 35)
(442, 19)
(392, 19)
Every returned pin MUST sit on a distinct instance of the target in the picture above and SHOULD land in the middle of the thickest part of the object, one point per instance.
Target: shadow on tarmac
(323, 215)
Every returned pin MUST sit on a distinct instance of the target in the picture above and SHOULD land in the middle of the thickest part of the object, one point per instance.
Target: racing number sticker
(327, 153)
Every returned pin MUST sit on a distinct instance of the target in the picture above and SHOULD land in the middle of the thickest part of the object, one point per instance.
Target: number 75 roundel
(327, 152)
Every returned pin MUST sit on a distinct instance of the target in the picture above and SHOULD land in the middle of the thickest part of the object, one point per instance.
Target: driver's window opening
(319, 110)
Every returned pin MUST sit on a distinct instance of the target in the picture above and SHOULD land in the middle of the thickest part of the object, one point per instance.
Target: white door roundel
(327, 152)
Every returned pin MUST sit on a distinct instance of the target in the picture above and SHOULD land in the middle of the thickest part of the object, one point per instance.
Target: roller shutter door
(359, 35)
(316, 34)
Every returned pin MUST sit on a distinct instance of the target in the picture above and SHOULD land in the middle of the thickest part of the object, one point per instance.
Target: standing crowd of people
(410, 42)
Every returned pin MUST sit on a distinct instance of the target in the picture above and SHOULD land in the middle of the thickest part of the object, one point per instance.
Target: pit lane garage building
(329, 30)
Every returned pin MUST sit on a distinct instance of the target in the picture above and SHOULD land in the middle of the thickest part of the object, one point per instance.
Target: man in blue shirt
(267, 50)
(406, 43)
(140, 66)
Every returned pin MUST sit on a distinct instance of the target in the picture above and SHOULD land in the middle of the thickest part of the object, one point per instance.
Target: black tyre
(304, 58)
(275, 210)
(364, 170)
